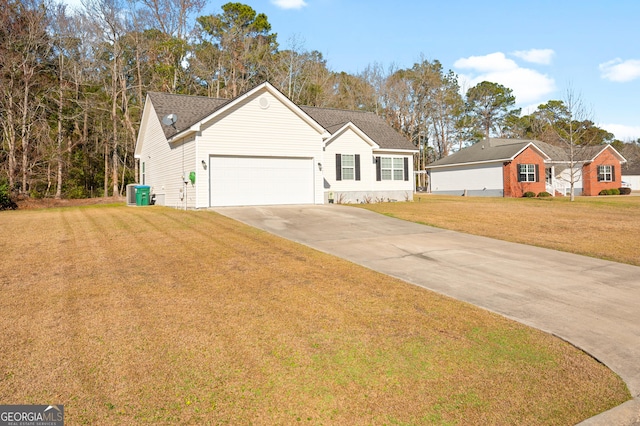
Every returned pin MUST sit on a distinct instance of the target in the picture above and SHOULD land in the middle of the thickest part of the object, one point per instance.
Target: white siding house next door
(243, 181)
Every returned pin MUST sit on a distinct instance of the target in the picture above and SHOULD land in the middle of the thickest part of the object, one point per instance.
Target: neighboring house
(262, 149)
(511, 167)
(631, 175)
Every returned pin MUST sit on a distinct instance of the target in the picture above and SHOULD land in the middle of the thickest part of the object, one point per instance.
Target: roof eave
(469, 164)
(400, 150)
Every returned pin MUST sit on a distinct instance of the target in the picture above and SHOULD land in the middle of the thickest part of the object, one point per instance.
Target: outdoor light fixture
(320, 166)
(204, 164)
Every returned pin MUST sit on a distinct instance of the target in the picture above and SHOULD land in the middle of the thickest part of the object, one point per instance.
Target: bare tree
(574, 136)
(24, 49)
(109, 22)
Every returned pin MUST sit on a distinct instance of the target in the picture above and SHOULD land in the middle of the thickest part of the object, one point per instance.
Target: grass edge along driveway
(154, 315)
(605, 227)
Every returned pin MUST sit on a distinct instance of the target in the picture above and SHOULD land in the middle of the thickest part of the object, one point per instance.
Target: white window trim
(528, 171)
(393, 169)
(350, 169)
(605, 171)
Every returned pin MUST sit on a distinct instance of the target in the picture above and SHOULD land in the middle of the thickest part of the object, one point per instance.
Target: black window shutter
(519, 167)
(537, 173)
(378, 169)
(338, 166)
(599, 173)
(357, 166)
(406, 168)
(613, 173)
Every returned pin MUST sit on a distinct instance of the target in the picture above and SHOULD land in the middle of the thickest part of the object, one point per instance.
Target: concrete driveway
(592, 303)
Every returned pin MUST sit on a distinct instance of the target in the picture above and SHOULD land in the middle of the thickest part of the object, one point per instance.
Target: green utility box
(142, 195)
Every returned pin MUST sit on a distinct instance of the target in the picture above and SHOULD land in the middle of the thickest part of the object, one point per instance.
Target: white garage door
(245, 181)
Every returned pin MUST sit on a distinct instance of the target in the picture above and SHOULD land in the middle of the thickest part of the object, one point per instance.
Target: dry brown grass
(158, 316)
(605, 227)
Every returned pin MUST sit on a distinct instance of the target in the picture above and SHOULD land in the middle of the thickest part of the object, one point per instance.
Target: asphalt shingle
(191, 109)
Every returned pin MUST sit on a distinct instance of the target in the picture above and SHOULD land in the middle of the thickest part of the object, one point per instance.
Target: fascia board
(531, 144)
(399, 151)
(615, 152)
(144, 122)
(469, 164)
(357, 131)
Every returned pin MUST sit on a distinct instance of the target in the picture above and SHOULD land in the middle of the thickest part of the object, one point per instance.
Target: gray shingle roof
(631, 169)
(189, 109)
(372, 125)
(490, 150)
(485, 151)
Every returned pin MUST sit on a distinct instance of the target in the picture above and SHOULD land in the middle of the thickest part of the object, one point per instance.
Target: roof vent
(263, 102)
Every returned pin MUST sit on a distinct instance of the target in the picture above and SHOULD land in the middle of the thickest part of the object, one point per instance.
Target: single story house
(260, 148)
(511, 167)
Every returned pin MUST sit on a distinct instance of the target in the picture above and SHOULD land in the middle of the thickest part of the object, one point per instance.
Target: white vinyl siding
(166, 164)
(348, 144)
(486, 178)
(251, 130)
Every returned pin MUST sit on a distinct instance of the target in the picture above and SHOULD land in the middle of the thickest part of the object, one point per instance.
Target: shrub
(6, 202)
(529, 194)
(624, 191)
(544, 194)
(610, 191)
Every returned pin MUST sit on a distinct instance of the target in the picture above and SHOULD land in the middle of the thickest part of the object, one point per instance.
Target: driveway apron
(593, 304)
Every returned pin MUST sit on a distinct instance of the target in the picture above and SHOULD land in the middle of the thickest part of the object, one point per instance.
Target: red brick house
(602, 171)
(512, 167)
(523, 173)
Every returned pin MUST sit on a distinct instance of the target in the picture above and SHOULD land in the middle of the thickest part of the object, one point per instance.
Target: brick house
(511, 167)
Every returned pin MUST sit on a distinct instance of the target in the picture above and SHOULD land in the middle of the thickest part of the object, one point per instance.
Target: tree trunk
(59, 145)
(114, 124)
(25, 136)
(106, 171)
(10, 133)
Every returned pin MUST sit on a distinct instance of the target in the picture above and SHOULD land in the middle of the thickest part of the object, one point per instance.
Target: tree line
(73, 85)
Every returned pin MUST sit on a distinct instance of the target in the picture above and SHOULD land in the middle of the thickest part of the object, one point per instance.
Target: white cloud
(488, 63)
(536, 56)
(528, 85)
(620, 71)
(622, 132)
(289, 4)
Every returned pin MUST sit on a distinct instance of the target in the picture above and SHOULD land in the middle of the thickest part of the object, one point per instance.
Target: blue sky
(538, 48)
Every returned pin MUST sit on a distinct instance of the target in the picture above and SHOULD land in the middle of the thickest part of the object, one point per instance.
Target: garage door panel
(237, 181)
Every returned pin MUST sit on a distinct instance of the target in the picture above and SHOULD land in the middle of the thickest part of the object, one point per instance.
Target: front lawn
(605, 227)
(161, 316)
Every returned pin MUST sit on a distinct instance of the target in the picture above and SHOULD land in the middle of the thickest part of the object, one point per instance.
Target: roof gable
(350, 126)
(194, 111)
(597, 150)
(373, 126)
